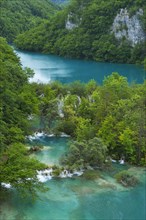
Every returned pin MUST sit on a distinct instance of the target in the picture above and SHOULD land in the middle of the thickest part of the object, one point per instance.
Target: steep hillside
(16, 104)
(19, 15)
(112, 31)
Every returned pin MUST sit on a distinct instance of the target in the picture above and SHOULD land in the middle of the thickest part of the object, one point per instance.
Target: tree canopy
(16, 104)
(83, 30)
(18, 16)
(113, 112)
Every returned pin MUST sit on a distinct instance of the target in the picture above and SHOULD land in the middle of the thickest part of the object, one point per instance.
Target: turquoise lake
(77, 198)
(49, 68)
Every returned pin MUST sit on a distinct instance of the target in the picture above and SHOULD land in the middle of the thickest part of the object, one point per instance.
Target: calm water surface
(49, 68)
(77, 198)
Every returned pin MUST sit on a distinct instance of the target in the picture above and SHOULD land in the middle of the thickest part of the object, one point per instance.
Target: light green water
(52, 149)
(77, 198)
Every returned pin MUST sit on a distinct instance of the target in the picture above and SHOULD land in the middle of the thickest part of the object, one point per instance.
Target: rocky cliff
(128, 27)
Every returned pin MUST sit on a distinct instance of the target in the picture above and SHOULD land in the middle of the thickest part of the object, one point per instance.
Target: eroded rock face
(69, 25)
(129, 27)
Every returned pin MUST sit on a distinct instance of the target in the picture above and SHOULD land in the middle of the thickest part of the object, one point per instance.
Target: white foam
(44, 175)
(39, 77)
(121, 162)
(78, 173)
(64, 135)
(66, 173)
(114, 161)
(6, 185)
(47, 174)
(50, 135)
(36, 135)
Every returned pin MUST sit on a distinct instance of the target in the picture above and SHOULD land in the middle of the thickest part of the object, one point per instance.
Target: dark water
(49, 68)
(77, 198)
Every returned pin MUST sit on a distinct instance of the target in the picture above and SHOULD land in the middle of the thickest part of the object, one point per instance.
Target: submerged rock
(126, 179)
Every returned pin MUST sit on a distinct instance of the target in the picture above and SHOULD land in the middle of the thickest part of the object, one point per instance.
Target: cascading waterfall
(60, 107)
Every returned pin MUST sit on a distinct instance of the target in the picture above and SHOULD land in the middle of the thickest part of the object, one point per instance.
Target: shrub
(56, 171)
(126, 179)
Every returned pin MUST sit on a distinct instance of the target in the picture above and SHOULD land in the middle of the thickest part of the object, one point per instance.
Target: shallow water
(52, 150)
(78, 198)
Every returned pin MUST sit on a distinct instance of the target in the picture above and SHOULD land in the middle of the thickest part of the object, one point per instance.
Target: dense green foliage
(113, 112)
(91, 37)
(20, 171)
(17, 101)
(16, 104)
(91, 153)
(18, 16)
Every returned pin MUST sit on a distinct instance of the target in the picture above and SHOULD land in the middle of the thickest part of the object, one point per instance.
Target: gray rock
(69, 25)
(129, 27)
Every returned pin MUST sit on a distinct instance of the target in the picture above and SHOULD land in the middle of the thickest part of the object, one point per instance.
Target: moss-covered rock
(126, 179)
(91, 175)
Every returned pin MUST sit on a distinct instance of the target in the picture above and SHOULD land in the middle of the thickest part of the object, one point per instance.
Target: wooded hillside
(84, 30)
(18, 16)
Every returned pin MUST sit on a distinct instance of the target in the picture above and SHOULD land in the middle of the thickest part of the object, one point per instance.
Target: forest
(18, 16)
(83, 30)
(16, 104)
(104, 121)
(113, 113)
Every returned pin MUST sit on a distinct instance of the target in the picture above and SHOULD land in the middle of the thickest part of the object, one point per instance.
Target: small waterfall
(60, 108)
(36, 135)
(44, 175)
(79, 99)
(47, 174)
(6, 185)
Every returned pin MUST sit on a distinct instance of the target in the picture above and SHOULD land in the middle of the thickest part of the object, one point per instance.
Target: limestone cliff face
(73, 21)
(129, 27)
(124, 25)
(69, 25)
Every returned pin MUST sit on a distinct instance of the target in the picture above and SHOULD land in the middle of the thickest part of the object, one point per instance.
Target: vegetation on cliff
(84, 30)
(18, 16)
